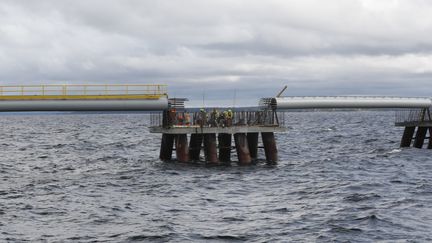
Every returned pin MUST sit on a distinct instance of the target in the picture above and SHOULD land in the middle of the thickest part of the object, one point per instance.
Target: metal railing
(412, 116)
(210, 119)
(83, 90)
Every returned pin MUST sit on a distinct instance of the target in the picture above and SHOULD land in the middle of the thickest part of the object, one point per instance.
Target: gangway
(135, 97)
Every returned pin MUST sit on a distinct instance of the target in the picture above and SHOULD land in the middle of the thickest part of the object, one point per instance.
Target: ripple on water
(97, 177)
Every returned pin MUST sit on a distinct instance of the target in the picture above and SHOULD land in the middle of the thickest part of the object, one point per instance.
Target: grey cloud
(254, 47)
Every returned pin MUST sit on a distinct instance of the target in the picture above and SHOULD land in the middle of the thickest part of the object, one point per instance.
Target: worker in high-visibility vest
(187, 119)
(180, 119)
(203, 117)
(221, 120)
(213, 117)
(225, 115)
(229, 118)
(172, 117)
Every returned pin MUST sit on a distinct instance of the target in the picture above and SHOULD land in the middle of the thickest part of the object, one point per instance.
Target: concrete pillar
(195, 146)
(270, 147)
(242, 148)
(420, 137)
(407, 137)
(252, 139)
(182, 149)
(224, 147)
(210, 149)
(166, 148)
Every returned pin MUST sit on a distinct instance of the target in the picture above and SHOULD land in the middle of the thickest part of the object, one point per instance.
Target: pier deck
(213, 132)
(195, 129)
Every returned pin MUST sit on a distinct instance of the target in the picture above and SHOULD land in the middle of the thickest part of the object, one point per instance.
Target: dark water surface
(97, 177)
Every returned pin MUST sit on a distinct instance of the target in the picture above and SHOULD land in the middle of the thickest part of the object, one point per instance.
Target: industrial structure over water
(210, 129)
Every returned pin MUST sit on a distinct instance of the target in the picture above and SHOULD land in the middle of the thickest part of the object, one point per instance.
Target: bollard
(270, 148)
(252, 139)
(407, 137)
(182, 150)
(166, 148)
(195, 146)
(242, 148)
(224, 147)
(210, 149)
(420, 137)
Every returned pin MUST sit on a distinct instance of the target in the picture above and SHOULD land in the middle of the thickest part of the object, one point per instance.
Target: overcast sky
(222, 48)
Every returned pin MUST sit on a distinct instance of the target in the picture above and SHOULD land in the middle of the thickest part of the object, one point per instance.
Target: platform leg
(210, 149)
(166, 148)
(430, 138)
(182, 150)
(242, 148)
(270, 147)
(224, 147)
(420, 137)
(195, 146)
(407, 137)
(252, 139)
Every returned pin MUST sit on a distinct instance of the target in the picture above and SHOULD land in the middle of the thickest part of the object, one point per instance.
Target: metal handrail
(83, 90)
(210, 119)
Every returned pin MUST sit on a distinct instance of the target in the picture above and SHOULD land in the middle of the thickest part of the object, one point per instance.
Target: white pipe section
(84, 105)
(349, 102)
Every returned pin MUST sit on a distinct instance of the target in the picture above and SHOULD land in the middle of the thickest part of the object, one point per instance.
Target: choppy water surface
(97, 177)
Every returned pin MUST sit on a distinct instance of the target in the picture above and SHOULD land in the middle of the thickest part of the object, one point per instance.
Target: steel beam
(430, 138)
(420, 137)
(407, 137)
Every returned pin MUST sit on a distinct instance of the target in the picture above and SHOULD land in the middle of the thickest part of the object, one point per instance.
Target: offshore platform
(212, 130)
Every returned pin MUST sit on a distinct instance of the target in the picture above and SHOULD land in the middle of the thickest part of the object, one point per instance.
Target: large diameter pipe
(270, 147)
(346, 102)
(224, 147)
(196, 140)
(210, 148)
(182, 149)
(84, 105)
(166, 148)
(252, 139)
(242, 148)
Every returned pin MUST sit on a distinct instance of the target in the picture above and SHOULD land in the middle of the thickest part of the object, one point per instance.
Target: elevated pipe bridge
(412, 113)
(344, 102)
(83, 98)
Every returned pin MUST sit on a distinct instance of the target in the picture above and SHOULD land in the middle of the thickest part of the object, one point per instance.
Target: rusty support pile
(217, 147)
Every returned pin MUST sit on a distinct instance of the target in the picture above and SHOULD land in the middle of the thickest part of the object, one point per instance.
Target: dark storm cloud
(216, 47)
